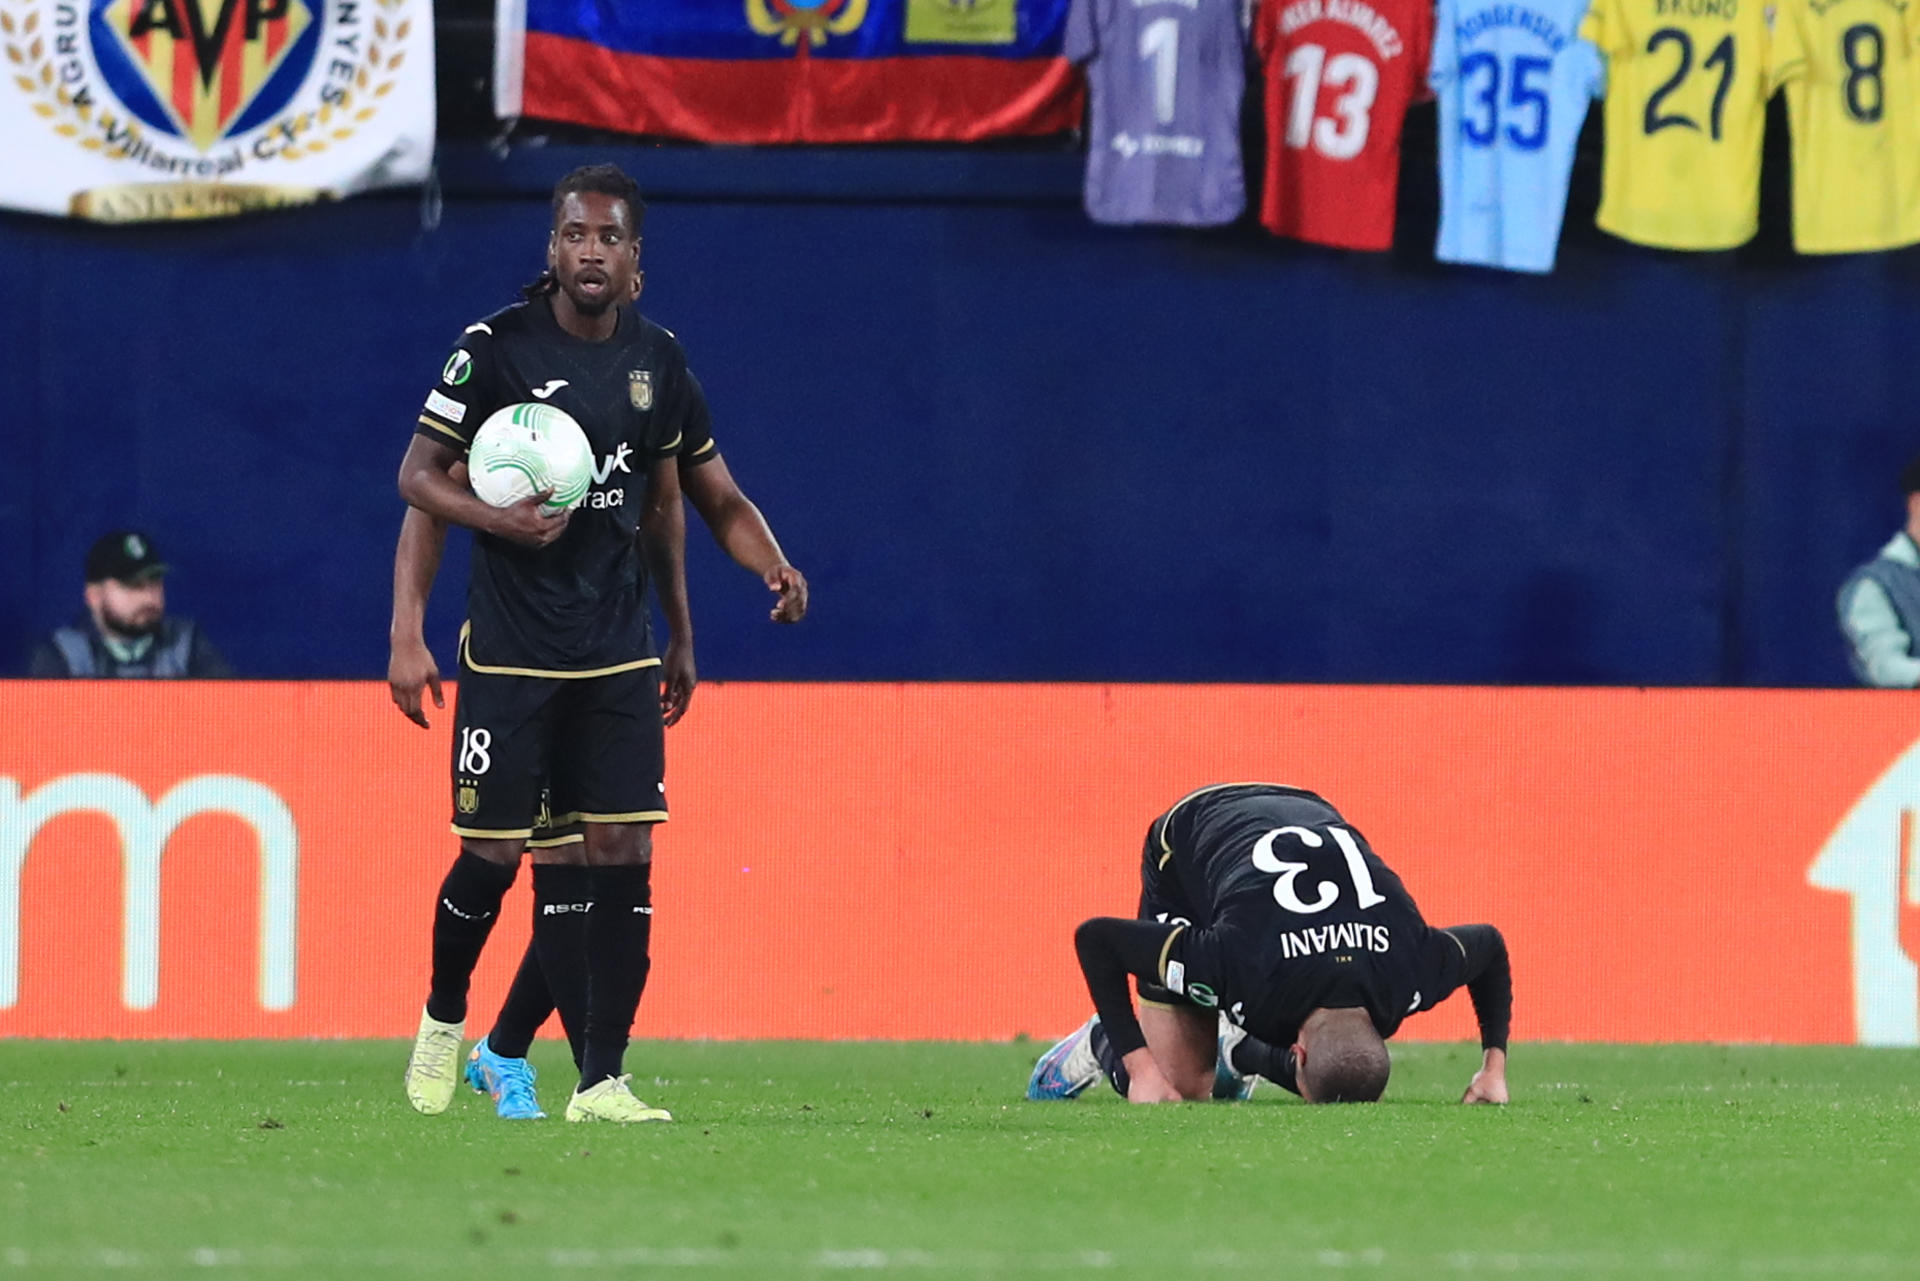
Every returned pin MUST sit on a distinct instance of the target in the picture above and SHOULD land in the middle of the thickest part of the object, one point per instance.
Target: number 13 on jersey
(1339, 76)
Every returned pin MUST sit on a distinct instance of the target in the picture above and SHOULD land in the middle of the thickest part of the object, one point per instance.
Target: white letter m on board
(144, 828)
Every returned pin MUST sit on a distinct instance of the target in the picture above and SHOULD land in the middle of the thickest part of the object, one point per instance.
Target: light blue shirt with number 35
(1513, 78)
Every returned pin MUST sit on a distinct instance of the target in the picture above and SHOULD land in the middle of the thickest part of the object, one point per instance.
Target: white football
(526, 449)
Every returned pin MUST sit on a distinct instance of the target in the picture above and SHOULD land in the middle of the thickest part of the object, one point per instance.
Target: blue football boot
(1068, 1069)
(508, 1082)
(1229, 1084)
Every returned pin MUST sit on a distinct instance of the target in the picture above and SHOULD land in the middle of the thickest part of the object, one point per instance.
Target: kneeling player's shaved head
(1342, 1058)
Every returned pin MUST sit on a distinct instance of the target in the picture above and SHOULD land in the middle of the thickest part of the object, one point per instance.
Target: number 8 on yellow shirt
(1686, 108)
(1850, 71)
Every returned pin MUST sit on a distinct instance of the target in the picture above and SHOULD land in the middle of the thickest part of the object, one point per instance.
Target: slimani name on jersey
(1353, 936)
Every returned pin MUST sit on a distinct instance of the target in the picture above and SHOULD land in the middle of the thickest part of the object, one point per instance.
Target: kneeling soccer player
(1266, 921)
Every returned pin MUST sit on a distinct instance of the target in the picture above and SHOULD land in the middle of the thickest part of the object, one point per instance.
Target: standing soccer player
(559, 678)
(1262, 903)
(498, 1065)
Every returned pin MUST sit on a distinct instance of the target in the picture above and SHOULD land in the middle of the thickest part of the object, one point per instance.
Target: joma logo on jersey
(206, 61)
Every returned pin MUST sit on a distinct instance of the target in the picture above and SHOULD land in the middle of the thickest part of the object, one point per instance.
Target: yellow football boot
(434, 1067)
(611, 1100)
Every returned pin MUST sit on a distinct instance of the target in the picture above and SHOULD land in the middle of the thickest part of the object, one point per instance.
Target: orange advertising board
(863, 861)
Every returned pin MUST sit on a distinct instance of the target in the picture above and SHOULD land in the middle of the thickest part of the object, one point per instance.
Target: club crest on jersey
(640, 388)
(467, 800)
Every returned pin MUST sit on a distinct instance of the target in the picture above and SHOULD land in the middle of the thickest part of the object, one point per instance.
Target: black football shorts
(544, 751)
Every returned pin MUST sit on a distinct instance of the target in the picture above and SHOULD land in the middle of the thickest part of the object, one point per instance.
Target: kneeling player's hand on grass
(526, 524)
(1489, 1084)
(1146, 1083)
(410, 672)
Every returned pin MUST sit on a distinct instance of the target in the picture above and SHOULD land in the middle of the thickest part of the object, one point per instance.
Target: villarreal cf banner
(775, 71)
(137, 110)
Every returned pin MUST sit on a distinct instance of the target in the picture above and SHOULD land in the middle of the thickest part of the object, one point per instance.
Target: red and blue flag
(778, 71)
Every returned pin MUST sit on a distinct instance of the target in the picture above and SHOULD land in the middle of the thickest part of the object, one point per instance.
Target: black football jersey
(1291, 910)
(577, 606)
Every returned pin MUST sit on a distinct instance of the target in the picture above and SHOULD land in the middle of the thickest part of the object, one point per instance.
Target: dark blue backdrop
(1007, 444)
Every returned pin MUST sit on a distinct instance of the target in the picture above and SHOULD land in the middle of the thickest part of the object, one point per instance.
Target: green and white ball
(526, 449)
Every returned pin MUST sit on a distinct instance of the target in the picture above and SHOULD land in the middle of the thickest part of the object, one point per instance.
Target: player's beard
(143, 621)
(589, 304)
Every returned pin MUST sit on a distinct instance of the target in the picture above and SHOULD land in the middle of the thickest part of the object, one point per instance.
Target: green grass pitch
(840, 1160)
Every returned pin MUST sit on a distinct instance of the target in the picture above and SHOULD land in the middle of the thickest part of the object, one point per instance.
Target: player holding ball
(559, 677)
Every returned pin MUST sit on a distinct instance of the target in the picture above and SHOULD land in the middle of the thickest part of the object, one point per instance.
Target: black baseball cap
(125, 555)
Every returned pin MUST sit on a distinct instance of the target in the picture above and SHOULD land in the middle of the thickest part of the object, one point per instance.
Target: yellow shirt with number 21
(1685, 112)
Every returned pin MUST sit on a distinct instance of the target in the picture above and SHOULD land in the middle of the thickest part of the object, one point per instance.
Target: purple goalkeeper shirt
(1165, 78)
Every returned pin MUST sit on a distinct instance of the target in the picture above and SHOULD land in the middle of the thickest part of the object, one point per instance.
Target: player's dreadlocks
(601, 180)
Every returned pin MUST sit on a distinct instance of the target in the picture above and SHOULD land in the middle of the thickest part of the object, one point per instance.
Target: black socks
(463, 917)
(619, 928)
(553, 974)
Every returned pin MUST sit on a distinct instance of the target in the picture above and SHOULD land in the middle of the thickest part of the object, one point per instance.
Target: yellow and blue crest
(204, 70)
(808, 21)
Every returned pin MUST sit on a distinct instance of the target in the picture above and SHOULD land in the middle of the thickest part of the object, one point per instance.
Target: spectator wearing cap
(126, 631)
(1880, 603)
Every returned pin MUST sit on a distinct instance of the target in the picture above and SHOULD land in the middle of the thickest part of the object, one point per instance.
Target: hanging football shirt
(1166, 78)
(1686, 108)
(1339, 75)
(1513, 78)
(1852, 73)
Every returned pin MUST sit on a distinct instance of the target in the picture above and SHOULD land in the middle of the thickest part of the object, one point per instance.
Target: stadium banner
(150, 110)
(880, 861)
(785, 71)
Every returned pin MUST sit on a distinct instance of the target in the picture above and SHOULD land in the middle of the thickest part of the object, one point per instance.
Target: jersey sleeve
(696, 427)
(1197, 964)
(1420, 55)
(1589, 65)
(466, 392)
(675, 397)
(1263, 33)
(1109, 949)
(1605, 29)
(1081, 40)
(1473, 957)
(1786, 44)
(1443, 67)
